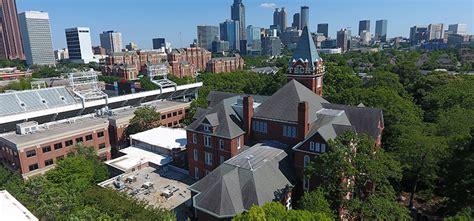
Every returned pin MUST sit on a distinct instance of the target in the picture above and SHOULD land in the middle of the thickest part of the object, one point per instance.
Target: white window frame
(311, 146)
(221, 144)
(208, 158)
(289, 131)
(319, 82)
(260, 126)
(323, 148)
(318, 147)
(207, 128)
(195, 155)
(238, 143)
(306, 161)
(306, 183)
(207, 141)
(196, 173)
(194, 138)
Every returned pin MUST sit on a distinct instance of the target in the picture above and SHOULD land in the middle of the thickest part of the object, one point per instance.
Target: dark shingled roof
(235, 186)
(222, 116)
(306, 49)
(214, 97)
(283, 105)
(364, 119)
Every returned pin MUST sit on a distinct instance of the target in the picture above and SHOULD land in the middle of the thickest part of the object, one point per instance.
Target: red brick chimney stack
(247, 117)
(303, 113)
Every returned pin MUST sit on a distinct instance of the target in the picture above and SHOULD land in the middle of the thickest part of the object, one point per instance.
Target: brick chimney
(303, 112)
(247, 117)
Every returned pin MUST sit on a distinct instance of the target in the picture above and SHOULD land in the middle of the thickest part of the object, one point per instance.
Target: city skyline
(182, 32)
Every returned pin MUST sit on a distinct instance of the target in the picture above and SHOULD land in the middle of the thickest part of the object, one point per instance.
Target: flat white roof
(11, 209)
(164, 137)
(136, 156)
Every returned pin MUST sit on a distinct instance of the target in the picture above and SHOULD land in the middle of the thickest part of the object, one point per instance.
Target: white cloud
(268, 5)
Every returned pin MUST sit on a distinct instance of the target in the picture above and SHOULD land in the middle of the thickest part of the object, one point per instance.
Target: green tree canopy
(145, 118)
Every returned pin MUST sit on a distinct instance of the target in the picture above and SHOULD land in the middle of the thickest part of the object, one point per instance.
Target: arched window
(306, 161)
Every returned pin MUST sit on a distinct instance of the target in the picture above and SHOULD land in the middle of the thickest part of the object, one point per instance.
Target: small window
(89, 137)
(60, 158)
(170, 124)
(221, 144)
(195, 155)
(68, 143)
(196, 172)
(58, 146)
(207, 141)
(208, 158)
(48, 162)
(100, 134)
(46, 149)
(175, 114)
(311, 146)
(194, 138)
(207, 128)
(318, 147)
(323, 148)
(163, 117)
(33, 167)
(238, 143)
(168, 115)
(306, 161)
(180, 112)
(31, 153)
(102, 146)
(79, 140)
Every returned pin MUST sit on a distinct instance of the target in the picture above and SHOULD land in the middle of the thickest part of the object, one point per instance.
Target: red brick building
(225, 64)
(296, 116)
(34, 149)
(128, 65)
(188, 61)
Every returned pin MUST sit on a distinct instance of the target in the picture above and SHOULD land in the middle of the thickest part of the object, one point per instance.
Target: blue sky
(141, 20)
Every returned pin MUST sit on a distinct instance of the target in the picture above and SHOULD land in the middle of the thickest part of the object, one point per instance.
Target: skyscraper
(230, 31)
(206, 35)
(323, 29)
(418, 34)
(280, 19)
(79, 45)
(343, 39)
(435, 31)
(159, 43)
(238, 14)
(460, 29)
(304, 17)
(111, 41)
(296, 21)
(364, 25)
(254, 39)
(381, 30)
(36, 37)
(10, 38)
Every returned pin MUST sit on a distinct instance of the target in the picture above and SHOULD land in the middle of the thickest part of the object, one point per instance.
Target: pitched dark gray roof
(227, 122)
(306, 49)
(364, 119)
(283, 105)
(235, 187)
(214, 97)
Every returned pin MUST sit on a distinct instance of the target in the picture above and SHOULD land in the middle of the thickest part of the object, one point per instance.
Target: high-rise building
(304, 17)
(159, 43)
(230, 31)
(132, 46)
(365, 37)
(280, 19)
(435, 31)
(460, 29)
(343, 39)
(271, 46)
(111, 41)
(254, 41)
(323, 29)
(36, 37)
(296, 21)
(238, 14)
(10, 38)
(206, 35)
(79, 45)
(418, 34)
(381, 30)
(364, 25)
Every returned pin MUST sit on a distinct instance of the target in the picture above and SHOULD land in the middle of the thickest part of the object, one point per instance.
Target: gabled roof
(283, 105)
(235, 186)
(306, 49)
(226, 121)
(364, 119)
(214, 97)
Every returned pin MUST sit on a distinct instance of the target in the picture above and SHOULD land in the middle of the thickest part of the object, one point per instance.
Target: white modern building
(435, 31)
(460, 29)
(11, 209)
(79, 45)
(365, 37)
(36, 35)
(111, 41)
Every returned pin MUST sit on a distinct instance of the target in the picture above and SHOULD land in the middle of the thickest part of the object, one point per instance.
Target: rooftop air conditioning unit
(27, 128)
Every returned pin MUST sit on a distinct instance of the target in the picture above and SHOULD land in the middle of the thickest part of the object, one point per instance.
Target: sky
(141, 20)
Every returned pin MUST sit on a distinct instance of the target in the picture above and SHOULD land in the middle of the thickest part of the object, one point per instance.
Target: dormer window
(207, 128)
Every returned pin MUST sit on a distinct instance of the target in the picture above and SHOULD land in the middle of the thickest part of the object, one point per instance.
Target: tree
(369, 169)
(273, 211)
(145, 118)
(315, 201)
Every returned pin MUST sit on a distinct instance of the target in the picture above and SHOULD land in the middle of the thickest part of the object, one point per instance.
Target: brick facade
(187, 61)
(225, 65)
